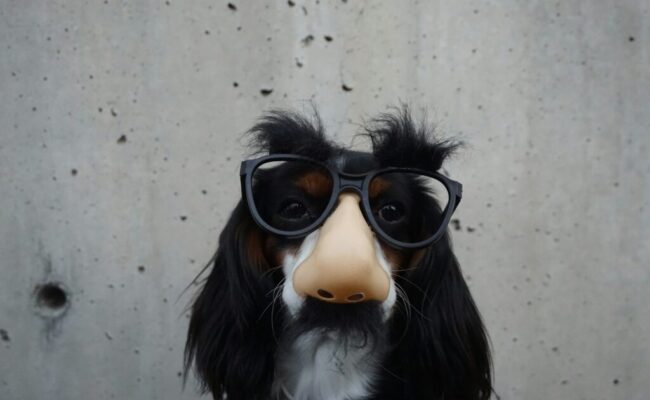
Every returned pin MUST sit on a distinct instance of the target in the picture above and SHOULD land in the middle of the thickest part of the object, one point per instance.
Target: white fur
(292, 300)
(317, 366)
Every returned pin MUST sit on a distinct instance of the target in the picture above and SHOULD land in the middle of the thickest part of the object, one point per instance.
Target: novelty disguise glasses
(405, 207)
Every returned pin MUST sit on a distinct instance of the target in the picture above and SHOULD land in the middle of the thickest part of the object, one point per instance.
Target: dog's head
(343, 245)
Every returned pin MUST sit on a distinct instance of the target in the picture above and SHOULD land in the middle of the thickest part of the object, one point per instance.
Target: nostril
(356, 297)
(325, 294)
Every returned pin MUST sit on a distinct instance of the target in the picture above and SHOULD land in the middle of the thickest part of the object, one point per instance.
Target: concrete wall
(120, 127)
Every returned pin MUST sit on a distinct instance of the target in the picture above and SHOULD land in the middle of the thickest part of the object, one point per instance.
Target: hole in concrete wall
(51, 296)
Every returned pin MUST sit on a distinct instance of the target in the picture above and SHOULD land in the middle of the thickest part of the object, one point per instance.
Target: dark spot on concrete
(473, 51)
(108, 336)
(90, 77)
(167, 3)
(232, 7)
(564, 382)
(631, 39)
(51, 296)
(488, 205)
(475, 11)
(470, 229)
(291, 3)
(615, 184)
(183, 217)
(266, 92)
(33, 108)
(307, 40)
(4, 336)
(299, 63)
(73, 171)
(113, 113)
(455, 223)
(235, 84)
(204, 191)
(207, 32)
(346, 88)
(100, 109)
(328, 38)
(121, 139)
(141, 269)
(45, 78)
(555, 349)
(179, 374)
(615, 382)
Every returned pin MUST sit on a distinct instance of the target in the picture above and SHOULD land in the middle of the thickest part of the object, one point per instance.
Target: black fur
(291, 133)
(441, 351)
(435, 342)
(361, 322)
(230, 338)
(397, 141)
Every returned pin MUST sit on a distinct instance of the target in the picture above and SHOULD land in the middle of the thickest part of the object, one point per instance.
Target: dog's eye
(293, 209)
(391, 212)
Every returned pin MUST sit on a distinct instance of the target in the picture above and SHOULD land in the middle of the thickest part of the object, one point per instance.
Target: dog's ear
(230, 340)
(442, 344)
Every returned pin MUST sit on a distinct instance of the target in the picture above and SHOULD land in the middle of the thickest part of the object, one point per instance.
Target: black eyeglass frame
(342, 181)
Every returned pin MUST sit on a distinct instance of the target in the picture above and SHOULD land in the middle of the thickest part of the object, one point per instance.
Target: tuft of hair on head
(282, 131)
(398, 141)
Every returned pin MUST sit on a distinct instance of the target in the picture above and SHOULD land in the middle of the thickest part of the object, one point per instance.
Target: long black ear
(442, 350)
(230, 339)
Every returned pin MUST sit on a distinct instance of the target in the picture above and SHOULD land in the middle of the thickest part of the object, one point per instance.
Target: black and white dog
(335, 278)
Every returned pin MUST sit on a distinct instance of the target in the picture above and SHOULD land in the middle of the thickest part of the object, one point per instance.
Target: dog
(335, 278)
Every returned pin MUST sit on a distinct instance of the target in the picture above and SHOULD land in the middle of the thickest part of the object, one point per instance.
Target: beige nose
(343, 267)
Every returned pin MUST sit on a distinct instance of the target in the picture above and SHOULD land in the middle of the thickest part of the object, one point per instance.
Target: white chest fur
(318, 366)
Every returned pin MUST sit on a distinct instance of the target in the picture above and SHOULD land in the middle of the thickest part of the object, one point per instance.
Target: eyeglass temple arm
(459, 194)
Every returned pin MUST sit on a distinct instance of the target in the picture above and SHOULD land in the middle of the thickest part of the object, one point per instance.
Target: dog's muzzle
(343, 267)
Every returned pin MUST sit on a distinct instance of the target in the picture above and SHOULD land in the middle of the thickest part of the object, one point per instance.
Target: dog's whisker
(276, 296)
(401, 295)
(270, 270)
(416, 286)
(276, 289)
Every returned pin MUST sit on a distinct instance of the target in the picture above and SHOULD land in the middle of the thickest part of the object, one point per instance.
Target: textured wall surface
(120, 138)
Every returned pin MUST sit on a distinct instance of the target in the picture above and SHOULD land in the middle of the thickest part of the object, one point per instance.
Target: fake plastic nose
(343, 267)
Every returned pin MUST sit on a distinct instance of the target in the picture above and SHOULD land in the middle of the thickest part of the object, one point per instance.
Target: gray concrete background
(551, 97)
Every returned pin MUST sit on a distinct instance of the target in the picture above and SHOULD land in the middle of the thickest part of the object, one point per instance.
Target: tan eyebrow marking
(378, 186)
(315, 183)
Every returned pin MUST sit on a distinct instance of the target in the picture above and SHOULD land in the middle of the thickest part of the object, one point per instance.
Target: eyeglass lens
(291, 195)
